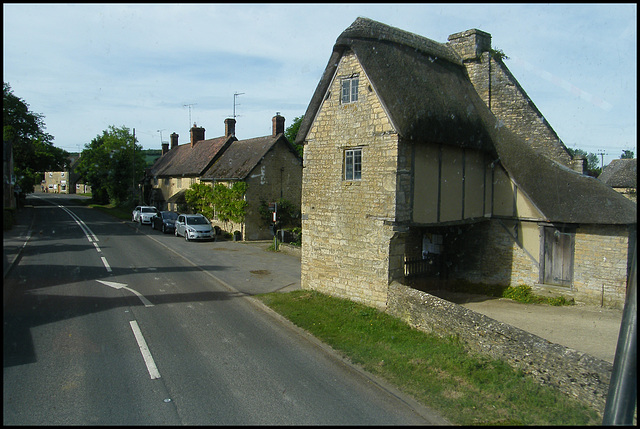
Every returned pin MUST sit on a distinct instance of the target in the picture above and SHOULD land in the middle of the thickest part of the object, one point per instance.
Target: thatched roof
(421, 83)
(620, 173)
(186, 160)
(561, 194)
(430, 100)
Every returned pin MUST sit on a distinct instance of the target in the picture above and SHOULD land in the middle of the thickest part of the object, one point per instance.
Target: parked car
(194, 227)
(143, 214)
(164, 221)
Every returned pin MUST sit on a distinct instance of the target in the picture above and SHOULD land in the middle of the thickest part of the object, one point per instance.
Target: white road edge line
(146, 355)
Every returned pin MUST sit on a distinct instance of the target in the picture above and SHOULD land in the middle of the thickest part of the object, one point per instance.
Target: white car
(194, 227)
(143, 214)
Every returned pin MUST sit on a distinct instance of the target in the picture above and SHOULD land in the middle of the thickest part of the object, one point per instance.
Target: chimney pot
(165, 148)
(278, 124)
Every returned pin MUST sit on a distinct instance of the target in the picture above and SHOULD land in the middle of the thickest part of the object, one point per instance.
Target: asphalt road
(109, 323)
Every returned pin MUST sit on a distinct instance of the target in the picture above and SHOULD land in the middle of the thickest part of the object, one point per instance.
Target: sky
(159, 68)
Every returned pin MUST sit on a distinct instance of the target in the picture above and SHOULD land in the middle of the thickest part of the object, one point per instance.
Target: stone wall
(577, 374)
(346, 239)
(601, 265)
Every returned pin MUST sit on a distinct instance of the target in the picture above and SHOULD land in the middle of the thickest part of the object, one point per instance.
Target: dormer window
(350, 89)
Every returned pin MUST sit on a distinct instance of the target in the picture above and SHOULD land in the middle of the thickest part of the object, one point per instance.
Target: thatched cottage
(429, 159)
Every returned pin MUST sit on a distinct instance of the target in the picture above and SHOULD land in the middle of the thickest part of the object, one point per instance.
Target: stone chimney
(579, 164)
(470, 44)
(229, 127)
(278, 124)
(165, 147)
(174, 140)
(197, 134)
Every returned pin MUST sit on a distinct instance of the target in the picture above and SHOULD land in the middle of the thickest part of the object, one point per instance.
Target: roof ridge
(365, 28)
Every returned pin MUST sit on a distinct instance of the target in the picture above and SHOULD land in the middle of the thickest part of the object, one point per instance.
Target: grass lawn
(465, 388)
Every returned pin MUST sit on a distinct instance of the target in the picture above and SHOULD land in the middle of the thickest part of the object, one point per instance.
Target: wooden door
(558, 257)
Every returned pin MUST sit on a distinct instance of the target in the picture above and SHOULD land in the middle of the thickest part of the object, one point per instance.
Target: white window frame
(353, 164)
(349, 89)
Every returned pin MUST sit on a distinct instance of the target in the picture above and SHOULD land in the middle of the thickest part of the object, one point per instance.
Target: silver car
(194, 227)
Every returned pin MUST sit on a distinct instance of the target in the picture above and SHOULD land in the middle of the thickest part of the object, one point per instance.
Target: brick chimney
(229, 127)
(174, 140)
(165, 147)
(197, 134)
(470, 44)
(278, 124)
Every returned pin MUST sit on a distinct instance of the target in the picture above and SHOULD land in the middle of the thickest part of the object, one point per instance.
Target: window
(350, 90)
(353, 164)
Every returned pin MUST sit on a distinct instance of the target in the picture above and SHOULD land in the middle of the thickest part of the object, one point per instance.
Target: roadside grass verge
(465, 388)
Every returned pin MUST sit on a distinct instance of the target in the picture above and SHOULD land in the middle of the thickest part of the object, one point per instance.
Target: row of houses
(269, 165)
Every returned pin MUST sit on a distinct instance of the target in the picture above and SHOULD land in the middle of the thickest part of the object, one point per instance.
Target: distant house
(622, 176)
(426, 162)
(269, 165)
(271, 169)
(65, 181)
(183, 165)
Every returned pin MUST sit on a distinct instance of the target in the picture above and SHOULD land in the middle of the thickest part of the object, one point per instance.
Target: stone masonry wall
(579, 375)
(346, 235)
(278, 175)
(600, 270)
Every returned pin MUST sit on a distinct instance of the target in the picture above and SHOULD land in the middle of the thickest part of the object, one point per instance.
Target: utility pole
(133, 163)
(235, 95)
(160, 131)
(602, 154)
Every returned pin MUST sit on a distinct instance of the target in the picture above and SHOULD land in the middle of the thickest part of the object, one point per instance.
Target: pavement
(592, 330)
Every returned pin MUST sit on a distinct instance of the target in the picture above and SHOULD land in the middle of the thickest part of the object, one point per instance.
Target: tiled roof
(185, 160)
(621, 173)
(241, 157)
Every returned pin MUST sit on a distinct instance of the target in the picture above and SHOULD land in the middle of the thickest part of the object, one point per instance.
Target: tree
(229, 202)
(33, 149)
(291, 133)
(199, 198)
(593, 164)
(112, 164)
(627, 154)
